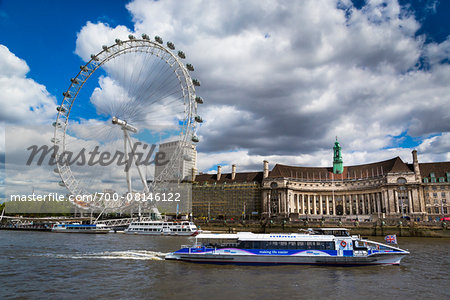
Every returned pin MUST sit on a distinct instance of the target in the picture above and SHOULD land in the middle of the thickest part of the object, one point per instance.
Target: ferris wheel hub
(123, 124)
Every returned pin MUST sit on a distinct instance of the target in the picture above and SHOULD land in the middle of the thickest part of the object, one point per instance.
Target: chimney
(194, 172)
(219, 172)
(266, 169)
(416, 166)
(233, 172)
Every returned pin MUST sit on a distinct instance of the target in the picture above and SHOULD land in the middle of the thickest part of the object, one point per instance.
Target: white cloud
(93, 36)
(11, 65)
(23, 100)
(281, 79)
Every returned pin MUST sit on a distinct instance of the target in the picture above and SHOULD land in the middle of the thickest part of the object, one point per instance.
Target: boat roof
(76, 225)
(328, 229)
(249, 236)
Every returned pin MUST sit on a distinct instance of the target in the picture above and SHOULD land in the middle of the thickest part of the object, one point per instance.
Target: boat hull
(96, 231)
(188, 233)
(312, 258)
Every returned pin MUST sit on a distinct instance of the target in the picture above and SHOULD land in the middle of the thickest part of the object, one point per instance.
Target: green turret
(338, 166)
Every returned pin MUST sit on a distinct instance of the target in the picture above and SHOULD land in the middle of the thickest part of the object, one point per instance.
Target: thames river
(118, 266)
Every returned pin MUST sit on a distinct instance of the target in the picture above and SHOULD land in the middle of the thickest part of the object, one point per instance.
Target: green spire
(338, 166)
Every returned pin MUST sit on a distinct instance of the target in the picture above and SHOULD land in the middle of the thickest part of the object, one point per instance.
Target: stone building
(188, 153)
(385, 189)
(232, 195)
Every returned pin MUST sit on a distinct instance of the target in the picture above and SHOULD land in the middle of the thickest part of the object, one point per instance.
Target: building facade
(188, 162)
(224, 196)
(385, 189)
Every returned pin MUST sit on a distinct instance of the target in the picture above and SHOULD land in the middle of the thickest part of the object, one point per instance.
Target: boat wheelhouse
(325, 246)
(80, 228)
(185, 228)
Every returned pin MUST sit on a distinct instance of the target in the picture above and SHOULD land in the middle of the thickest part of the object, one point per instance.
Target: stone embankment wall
(405, 229)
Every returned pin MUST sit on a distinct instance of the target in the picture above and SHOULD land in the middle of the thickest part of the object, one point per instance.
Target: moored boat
(184, 228)
(324, 246)
(80, 228)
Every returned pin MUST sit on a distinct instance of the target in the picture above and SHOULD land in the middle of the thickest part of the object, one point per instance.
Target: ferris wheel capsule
(67, 95)
(171, 45)
(145, 36)
(74, 80)
(195, 139)
(198, 119)
(94, 57)
(158, 39)
(104, 47)
(190, 67)
(131, 37)
(118, 41)
(56, 124)
(61, 183)
(60, 109)
(196, 82)
(199, 100)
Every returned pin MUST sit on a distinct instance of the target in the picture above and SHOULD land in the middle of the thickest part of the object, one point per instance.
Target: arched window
(403, 200)
(401, 180)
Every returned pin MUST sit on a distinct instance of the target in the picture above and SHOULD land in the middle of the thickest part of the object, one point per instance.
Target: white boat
(324, 246)
(160, 227)
(80, 228)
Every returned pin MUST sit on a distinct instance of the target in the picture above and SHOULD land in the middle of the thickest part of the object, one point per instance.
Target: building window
(434, 187)
(435, 195)
(443, 194)
(445, 210)
(429, 210)
(401, 180)
(436, 210)
(403, 202)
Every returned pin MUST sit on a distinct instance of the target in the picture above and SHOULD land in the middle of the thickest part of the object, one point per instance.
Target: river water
(119, 266)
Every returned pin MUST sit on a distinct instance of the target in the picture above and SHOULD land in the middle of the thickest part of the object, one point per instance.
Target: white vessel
(80, 228)
(163, 228)
(324, 246)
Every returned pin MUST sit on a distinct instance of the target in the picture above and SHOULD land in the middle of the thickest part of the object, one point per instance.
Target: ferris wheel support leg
(141, 174)
(125, 136)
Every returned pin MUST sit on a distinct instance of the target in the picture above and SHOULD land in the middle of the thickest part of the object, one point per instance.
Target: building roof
(226, 177)
(439, 169)
(394, 165)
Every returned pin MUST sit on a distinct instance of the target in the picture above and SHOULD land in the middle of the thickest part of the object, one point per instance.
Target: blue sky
(43, 33)
(280, 79)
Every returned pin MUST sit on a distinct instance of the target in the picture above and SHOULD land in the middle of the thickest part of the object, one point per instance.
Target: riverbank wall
(436, 230)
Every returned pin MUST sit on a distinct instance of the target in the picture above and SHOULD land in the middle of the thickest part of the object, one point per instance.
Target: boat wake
(128, 254)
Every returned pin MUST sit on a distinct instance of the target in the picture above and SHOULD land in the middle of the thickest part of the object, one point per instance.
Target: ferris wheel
(124, 102)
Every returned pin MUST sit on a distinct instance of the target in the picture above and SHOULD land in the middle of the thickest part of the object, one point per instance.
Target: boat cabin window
(216, 243)
(335, 232)
(291, 245)
(359, 245)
